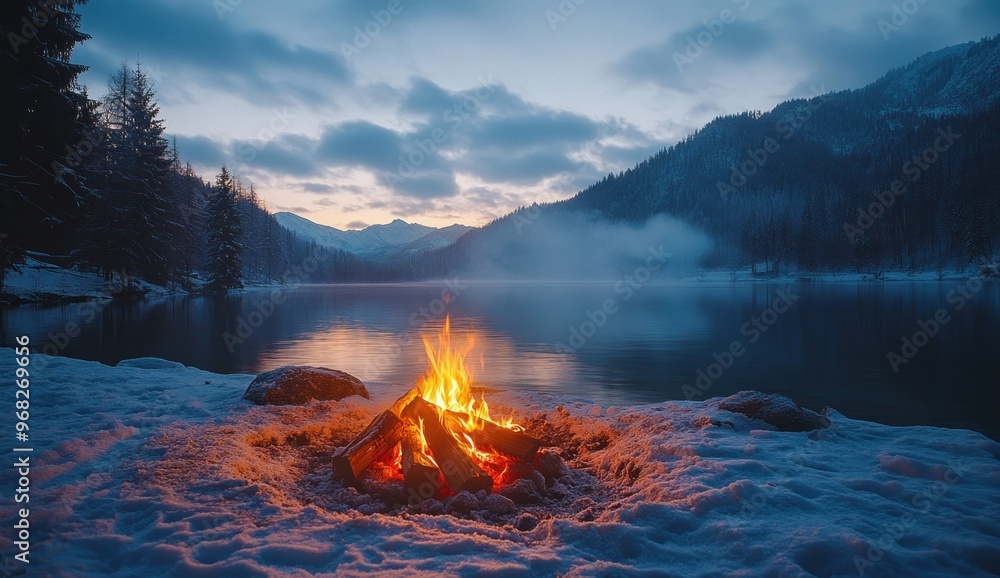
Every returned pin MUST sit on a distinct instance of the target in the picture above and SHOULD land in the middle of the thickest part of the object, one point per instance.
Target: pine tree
(130, 226)
(190, 194)
(224, 231)
(43, 119)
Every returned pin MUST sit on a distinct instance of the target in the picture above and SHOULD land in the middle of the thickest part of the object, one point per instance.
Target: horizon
(404, 221)
(318, 113)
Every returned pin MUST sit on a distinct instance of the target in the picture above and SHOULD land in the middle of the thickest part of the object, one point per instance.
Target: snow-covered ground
(41, 281)
(151, 469)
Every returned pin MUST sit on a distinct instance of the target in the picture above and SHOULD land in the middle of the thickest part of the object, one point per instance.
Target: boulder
(150, 363)
(774, 409)
(296, 385)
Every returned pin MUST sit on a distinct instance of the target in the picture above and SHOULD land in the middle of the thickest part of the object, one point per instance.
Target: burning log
(421, 476)
(493, 438)
(487, 436)
(400, 404)
(459, 470)
(381, 435)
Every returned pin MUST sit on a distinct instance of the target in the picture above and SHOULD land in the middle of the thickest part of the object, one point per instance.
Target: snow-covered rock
(150, 363)
(294, 384)
(776, 410)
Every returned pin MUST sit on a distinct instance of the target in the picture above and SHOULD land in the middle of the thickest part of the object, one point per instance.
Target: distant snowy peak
(962, 79)
(399, 232)
(397, 237)
(435, 239)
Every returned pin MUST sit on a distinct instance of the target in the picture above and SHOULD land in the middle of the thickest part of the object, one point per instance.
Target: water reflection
(829, 348)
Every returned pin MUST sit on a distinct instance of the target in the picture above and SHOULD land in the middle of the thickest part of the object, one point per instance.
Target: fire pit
(440, 435)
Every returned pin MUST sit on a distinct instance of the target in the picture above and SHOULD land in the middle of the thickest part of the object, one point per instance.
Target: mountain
(436, 239)
(397, 237)
(903, 173)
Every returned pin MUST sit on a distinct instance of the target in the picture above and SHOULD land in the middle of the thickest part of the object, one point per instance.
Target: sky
(352, 113)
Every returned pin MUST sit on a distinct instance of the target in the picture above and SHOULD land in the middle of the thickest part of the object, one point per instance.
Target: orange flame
(448, 385)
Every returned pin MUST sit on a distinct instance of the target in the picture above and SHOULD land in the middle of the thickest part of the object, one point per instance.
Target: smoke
(571, 246)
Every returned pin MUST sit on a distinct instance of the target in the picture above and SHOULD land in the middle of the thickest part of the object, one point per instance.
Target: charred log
(421, 476)
(458, 468)
(381, 435)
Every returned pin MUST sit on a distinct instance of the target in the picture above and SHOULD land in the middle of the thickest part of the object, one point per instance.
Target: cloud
(495, 135)
(523, 167)
(357, 225)
(426, 98)
(840, 46)
(287, 154)
(318, 188)
(670, 63)
(392, 156)
(255, 65)
(200, 150)
(293, 209)
(361, 143)
(531, 128)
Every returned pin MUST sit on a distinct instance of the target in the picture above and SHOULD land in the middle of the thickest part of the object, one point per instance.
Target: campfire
(441, 436)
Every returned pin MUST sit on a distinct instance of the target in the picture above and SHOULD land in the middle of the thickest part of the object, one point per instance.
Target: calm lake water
(821, 344)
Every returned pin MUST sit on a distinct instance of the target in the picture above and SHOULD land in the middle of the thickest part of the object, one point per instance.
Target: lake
(821, 344)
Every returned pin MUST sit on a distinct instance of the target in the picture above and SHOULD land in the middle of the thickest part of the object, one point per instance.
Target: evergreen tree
(43, 118)
(131, 227)
(224, 231)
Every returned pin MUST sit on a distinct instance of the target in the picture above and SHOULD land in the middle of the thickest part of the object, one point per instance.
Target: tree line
(98, 183)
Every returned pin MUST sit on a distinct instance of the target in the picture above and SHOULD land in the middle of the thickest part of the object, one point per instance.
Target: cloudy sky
(440, 111)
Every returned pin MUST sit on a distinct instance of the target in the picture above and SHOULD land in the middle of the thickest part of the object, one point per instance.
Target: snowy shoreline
(39, 282)
(151, 468)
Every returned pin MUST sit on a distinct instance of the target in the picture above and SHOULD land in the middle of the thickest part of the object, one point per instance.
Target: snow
(38, 281)
(166, 471)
